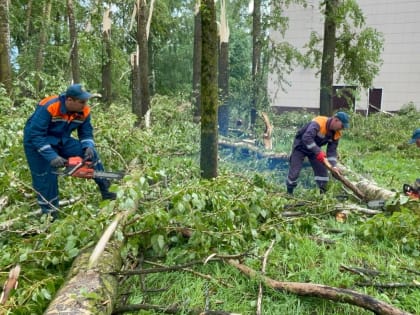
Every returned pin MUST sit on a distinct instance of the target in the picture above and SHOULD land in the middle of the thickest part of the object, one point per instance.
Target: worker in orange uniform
(48, 143)
(320, 131)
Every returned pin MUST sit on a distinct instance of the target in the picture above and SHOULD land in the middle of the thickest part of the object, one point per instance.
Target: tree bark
(196, 96)
(328, 53)
(267, 136)
(89, 291)
(223, 111)
(107, 59)
(374, 192)
(39, 63)
(256, 59)
(209, 93)
(143, 62)
(324, 292)
(28, 23)
(5, 64)
(135, 86)
(74, 50)
(370, 189)
(91, 285)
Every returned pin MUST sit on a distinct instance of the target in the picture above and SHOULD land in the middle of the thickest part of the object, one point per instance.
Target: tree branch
(324, 292)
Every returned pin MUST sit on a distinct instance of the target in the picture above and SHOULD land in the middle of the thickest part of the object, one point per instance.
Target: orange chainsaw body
(79, 168)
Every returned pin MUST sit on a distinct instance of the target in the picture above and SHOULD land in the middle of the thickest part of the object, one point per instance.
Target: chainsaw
(78, 167)
(412, 192)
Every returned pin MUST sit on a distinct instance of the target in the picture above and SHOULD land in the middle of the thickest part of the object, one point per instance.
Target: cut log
(10, 284)
(373, 192)
(90, 291)
(370, 189)
(323, 291)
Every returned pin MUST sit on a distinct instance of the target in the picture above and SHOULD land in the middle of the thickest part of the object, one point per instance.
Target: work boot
(51, 215)
(290, 190)
(108, 195)
(103, 185)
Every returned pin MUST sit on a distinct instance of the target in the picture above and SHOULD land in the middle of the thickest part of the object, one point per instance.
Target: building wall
(399, 77)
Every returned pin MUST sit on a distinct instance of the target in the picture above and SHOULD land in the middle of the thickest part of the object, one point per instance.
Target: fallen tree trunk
(91, 285)
(370, 189)
(324, 292)
(344, 180)
(373, 192)
(89, 291)
(244, 145)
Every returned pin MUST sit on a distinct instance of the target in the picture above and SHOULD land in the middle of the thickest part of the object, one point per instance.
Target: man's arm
(308, 137)
(37, 132)
(332, 152)
(85, 133)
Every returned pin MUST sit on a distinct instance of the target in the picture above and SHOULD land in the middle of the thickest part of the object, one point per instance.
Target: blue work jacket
(51, 125)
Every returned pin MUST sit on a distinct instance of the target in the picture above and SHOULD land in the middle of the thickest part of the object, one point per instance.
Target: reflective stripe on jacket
(51, 124)
(314, 135)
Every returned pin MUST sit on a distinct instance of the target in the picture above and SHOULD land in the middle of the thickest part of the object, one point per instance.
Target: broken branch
(324, 292)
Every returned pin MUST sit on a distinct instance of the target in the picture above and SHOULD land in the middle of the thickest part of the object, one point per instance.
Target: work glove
(89, 154)
(321, 156)
(58, 162)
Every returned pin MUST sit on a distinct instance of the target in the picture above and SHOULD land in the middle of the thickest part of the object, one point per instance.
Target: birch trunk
(90, 291)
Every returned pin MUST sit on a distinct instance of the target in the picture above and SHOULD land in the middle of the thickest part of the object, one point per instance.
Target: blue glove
(89, 154)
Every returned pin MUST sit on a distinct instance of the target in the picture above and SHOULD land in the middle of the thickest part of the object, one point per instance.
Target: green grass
(239, 212)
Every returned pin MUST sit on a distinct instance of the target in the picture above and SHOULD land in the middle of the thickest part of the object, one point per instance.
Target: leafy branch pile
(239, 212)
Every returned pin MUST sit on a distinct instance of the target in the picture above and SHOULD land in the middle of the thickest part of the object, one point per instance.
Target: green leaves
(241, 210)
(399, 228)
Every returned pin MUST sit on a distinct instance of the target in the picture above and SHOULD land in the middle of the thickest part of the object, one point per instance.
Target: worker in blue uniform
(48, 143)
(322, 130)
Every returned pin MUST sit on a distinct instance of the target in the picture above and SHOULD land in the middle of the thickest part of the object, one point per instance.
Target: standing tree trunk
(223, 112)
(209, 93)
(39, 63)
(142, 105)
(28, 22)
(327, 66)
(74, 51)
(256, 59)
(196, 97)
(107, 59)
(135, 86)
(5, 65)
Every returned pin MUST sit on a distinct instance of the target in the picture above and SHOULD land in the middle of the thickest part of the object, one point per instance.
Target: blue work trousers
(44, 179)
(295, 166)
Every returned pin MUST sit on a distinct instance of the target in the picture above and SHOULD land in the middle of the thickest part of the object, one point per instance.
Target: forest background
(240, 211)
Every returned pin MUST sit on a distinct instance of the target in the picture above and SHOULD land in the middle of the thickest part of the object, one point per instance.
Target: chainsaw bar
(108, 175)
